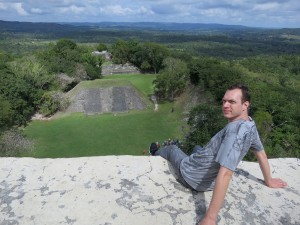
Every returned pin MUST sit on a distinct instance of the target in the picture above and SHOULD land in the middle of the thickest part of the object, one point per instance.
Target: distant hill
(53, 27)
(38, 27)
(14, 26)
(161, 26)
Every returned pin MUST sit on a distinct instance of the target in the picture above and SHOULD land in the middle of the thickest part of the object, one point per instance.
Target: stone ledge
(121, 190)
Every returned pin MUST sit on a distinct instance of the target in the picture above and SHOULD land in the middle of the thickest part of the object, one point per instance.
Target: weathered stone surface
(133, 190)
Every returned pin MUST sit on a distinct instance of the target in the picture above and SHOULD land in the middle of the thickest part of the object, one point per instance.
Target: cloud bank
(255, 13)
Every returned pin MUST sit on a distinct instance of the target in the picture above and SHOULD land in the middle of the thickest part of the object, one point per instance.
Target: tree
(205, 121)
(92, 65)
(200, 68)
(264, 123)
(101, 47)
(93, 72)
(62, 57)
(120, 52)
(51, 102)
(31, 70)
(214, 75)
(147, 56)
(6, 113)
(64, 44)
(19, 93)
(284, 142)
(5, 57)
(171, 81)
(154, 55)
(12, 143)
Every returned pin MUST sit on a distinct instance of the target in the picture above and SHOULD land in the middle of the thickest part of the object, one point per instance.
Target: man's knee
(196, 148)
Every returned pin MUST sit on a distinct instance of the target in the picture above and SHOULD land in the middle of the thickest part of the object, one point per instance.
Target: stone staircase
(119, 69)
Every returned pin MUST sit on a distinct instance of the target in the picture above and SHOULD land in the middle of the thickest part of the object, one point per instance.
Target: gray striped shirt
(227, 148)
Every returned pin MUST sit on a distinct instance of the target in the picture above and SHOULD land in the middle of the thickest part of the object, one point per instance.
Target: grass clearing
(129, 133)
(143, 82)
(108, 134)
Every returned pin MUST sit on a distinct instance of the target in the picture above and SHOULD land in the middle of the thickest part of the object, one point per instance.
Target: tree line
(205, 40)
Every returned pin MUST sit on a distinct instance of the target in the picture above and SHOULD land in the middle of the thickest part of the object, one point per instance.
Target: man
(211, 167)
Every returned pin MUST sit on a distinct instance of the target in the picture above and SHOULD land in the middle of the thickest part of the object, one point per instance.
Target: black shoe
(153, 148)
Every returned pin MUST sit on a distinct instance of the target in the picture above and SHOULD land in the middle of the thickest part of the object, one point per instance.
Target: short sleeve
(256, 144)
(235, 145)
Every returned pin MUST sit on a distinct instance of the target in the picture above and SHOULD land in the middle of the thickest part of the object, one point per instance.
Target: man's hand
(265, 168)
(276, 183)
(207, 221)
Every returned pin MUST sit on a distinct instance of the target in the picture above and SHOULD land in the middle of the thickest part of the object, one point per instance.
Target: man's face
(233, 108)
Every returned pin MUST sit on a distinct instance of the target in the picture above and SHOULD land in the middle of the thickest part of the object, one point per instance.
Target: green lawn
(130, 133)
(143, 82)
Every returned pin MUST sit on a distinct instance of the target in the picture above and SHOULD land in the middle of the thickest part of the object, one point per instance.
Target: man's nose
(225, 104)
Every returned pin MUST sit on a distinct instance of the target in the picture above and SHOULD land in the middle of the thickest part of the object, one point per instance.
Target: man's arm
(265, 168)
(221, 186)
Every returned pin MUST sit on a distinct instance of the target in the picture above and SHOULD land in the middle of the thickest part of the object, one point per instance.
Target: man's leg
(196, 149)
(174, 155)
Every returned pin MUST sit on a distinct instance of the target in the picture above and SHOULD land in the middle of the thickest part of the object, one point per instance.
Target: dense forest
(35, 58)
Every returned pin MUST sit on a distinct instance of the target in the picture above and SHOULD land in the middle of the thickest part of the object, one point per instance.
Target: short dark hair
(245, 91)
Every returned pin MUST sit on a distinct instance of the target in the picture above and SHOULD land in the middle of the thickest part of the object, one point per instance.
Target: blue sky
(255, 13)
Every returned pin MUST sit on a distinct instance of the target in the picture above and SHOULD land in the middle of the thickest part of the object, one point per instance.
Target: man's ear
(246, 104)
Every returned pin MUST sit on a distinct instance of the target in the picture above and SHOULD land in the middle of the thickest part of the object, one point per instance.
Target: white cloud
(19, 8)
(36, 11)
(144, 11)
(72, 9)
(3, 6)
(266, 6)
(220, 12)
(69, 2)
(117, 10)
(76, 9)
